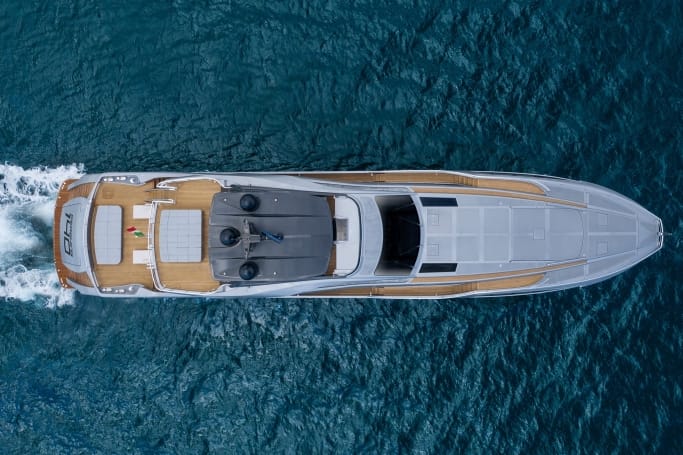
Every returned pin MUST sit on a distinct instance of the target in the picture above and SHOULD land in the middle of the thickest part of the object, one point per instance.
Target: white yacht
(392, 234)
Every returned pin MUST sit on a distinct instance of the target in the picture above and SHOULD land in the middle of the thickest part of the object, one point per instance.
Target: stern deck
(191, 194)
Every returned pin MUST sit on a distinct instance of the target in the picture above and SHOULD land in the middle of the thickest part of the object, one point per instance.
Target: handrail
(152, 254)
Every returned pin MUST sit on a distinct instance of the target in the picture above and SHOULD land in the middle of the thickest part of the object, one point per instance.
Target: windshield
(401, 235)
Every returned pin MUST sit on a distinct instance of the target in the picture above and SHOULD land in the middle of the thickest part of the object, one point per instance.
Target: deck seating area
(120, 235)
(189, 275)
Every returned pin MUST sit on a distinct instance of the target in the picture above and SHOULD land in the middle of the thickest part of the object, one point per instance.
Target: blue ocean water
(586, 90)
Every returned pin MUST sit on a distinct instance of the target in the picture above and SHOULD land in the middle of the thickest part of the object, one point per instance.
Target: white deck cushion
(141, 212)
(180, 236)
(141, 257)
(108, 234)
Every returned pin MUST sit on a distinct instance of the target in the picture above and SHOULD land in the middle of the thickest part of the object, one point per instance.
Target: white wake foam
(27, 198)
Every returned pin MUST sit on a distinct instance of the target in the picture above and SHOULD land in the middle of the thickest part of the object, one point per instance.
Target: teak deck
(125, 196)
(190, 276)
(194, 276)
(427, 177)
(431, 291)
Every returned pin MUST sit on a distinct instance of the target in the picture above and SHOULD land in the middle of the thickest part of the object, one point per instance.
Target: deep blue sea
(591, 90)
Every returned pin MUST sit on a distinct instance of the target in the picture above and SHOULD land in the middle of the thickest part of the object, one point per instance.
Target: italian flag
(137, 233)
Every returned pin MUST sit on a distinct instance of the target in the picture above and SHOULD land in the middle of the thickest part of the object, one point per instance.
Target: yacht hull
(392, 234)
